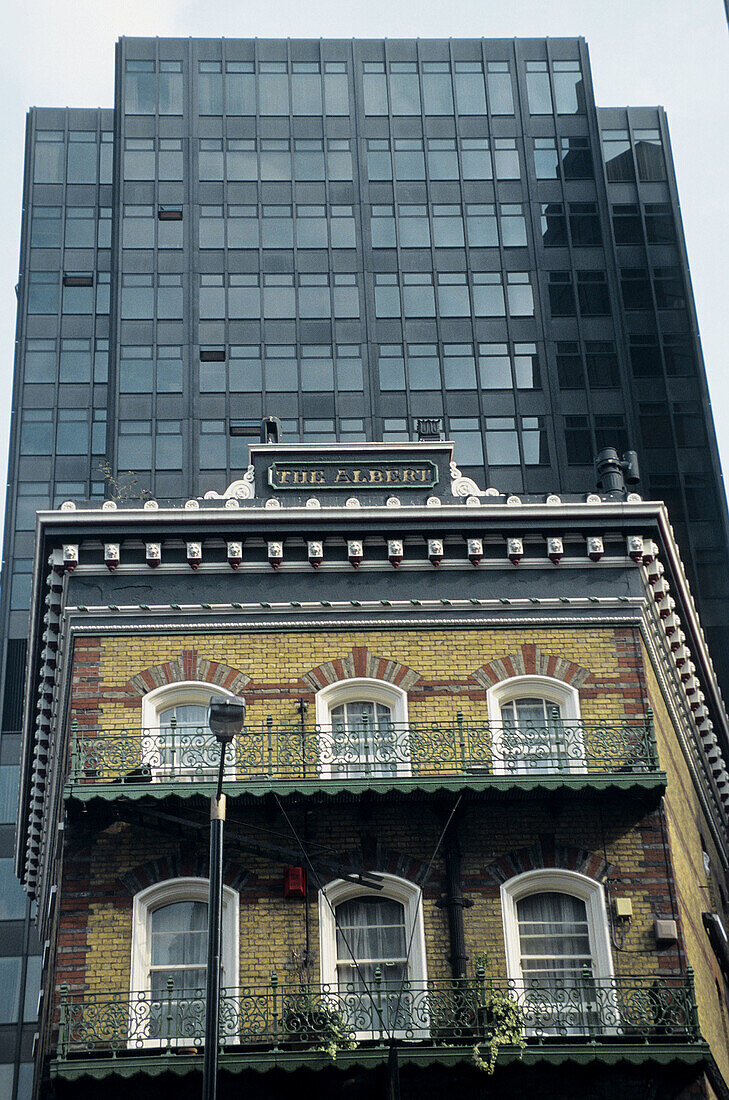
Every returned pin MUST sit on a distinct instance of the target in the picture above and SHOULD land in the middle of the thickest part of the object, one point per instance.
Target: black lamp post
(225, 719)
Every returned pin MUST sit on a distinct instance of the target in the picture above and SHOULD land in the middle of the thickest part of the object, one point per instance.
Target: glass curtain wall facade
(350, 236)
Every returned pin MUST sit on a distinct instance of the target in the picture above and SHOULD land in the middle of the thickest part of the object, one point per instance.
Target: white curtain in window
(364, 740)
(373, 930)
(533, 736)
(177, 948)
(187, 750)
(557, 964)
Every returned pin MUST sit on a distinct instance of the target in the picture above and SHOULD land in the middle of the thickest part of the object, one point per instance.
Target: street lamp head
(226, 717)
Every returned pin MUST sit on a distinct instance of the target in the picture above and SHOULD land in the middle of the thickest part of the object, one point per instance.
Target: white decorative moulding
(435, 551)
(68, 506)
(395, 551)
(108, 506)
(463, 486)
(474, 549)
(242, 489)
(151, 506)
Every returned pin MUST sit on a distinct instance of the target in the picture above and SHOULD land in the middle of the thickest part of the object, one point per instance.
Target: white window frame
(180, 693)
(397, 889)
(558, 881)
(539, 687)
(368, 689)
(154, 897)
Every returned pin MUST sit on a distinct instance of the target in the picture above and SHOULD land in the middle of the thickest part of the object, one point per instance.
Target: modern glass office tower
(351, 236)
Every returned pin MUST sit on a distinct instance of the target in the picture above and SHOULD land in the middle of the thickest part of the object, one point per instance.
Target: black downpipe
(454, 902)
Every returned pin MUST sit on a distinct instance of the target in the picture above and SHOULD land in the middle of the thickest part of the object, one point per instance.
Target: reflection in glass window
(513, 225)
(561, 294)
(409, 159)
(75, 361)
(308, 159)
(423, 367)
(535, 445)
(459, 367)
(494, 367)
(465, 431)
(244, 296)
(279, 296)
(546, 158)
(576, 158)
(553, 225)
(413, 225)
(585, 225)
(470, 91)
(649, 155)
(72, 432)
(40, 361)
(317, 368)
(50, 156)
(277, 227)
(502, 441)
(481, 225)
(273, 88)
(43, 292)
(526, 367)
(9, 774)
(498, 78)
(382, 226)
(140, 88)
(169, 297)
(453, 297)
(106, 157)
(210, 88)
(341, 227)
(488, 294)
(569, 91)
(78, 292)
(137, 297)
(592, 293)
(374, 85)
(210, 159)
(138, 227)
(659, 226)
(314, 296)
(617, 155)
(578, 441)
(379, 164)
(32, 988)
(83, 157)
(418, 295)
(31, 499)
(240, 88)
(169, 83)
(539, 92)
(346, 295)
(506, 159)
(245, 369)
(46, 227)
(391, 367)
(339, 159)
(635, 286)
(387, 295)
(281, 368)
(134, 445)
(211, 228)
(601, 360)
(349, 368)
(645, 356)
(170, 159)
(103, 239)
(404, 88)
(668, 287)
(10, 971)
(12, 898)
(311, 227)
(336, 88)
(448, 226)
(437, 91)
(212, 297)
(36, 432)
(241, 160)
(442, 158)
(569, 366)
(139, 159)
(306, 88)
(136, 370)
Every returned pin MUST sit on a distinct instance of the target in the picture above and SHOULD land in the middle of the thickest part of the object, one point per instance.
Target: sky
(643, 52)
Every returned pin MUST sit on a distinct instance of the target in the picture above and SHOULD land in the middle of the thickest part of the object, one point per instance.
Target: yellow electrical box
(623, 908)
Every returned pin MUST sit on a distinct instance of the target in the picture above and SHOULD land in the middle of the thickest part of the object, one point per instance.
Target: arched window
(536, 726)
(169, 954)
(558, 951)
(363, 729)
(177, 743)
(373, 952)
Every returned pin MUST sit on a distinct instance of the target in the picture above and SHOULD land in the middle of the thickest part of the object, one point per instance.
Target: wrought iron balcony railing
(434, 1013)
(266, 753)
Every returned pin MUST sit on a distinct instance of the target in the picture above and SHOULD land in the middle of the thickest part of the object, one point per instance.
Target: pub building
(476, 832)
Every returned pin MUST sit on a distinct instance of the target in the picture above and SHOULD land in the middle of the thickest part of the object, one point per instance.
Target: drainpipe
(454, 902)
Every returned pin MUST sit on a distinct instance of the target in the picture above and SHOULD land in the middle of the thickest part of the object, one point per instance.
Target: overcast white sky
(643, 52)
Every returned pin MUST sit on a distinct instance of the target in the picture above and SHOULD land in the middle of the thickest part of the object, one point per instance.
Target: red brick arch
(547, 853)
(188, 665)
(361, 662)
(530, 660)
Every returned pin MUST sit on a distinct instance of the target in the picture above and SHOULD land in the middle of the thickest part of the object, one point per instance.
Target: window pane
(9, 774)
(538, 89)
(470, 91)
(12, 898)
(10, 969)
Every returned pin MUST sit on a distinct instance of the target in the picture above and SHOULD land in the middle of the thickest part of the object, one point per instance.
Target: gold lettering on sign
(342, 475)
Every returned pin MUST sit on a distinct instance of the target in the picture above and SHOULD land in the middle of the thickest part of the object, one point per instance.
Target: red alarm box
(294, 882)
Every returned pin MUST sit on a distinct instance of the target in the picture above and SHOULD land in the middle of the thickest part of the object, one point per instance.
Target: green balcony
(278, 1025)
(422, 757)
